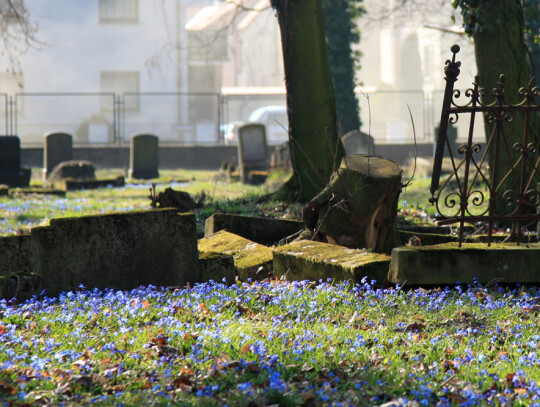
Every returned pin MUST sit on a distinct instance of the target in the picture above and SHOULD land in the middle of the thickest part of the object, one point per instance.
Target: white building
(107, 69)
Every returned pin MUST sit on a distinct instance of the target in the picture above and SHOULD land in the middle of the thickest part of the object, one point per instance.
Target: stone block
(118, 250)
(448, 264)
(16, 179)
(251, 259)
(71, 184)
(310, 260)
(15, 254)
(217, 266)
(265, 231)
(144, 156)
(74, 169)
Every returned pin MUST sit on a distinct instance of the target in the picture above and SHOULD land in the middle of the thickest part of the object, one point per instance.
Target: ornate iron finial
(500, 91)
(529, 93)
(451, 69)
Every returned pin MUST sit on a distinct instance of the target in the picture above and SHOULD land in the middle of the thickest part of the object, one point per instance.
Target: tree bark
(500, 49)
(313, 138)
(358, 209)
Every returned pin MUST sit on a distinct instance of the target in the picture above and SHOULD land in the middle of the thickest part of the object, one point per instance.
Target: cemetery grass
(273, 343)
(264, 343)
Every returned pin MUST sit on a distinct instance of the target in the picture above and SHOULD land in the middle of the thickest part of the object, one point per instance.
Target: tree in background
(498, 28)
(17, 32)
(531, 9)
(341, 34)
(316, 150)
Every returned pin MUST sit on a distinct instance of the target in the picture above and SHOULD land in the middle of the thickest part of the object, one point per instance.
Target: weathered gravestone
(252, 152)
(58, 148)
(356, 142)
(74, 169)
(144, 156)
(11, 172)
(117, 250)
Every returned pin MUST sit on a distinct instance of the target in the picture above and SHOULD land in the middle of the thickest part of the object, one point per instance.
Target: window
(118, 11)
(207, 46)
(121, 82)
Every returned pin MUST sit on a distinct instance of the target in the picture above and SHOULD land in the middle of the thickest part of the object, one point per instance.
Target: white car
(273, 117)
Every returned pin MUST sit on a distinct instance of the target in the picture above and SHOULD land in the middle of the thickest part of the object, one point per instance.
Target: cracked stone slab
(252, 260)
(449, 264)
(310, 260)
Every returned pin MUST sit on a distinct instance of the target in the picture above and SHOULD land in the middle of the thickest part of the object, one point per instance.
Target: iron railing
(98, 119)
(495, 182)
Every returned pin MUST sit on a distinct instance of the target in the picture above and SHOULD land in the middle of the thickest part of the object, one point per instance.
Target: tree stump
(358, 208)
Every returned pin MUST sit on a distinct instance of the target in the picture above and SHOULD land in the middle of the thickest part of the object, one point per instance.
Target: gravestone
(11, 172)
(252, 151)
(356, 142)
(121, 250)
(58, 148)
(451, 134)
(144, 156)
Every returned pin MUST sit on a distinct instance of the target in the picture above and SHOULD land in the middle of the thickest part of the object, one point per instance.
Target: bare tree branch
(18, 33)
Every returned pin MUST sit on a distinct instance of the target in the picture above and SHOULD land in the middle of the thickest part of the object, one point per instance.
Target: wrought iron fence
(505, 189)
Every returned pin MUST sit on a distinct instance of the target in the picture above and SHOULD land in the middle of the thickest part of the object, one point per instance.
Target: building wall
(77, 46)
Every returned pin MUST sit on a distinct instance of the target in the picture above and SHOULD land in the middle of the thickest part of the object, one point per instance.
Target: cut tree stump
(358, 209)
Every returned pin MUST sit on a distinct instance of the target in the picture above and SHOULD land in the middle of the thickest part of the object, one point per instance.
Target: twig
(415, 149)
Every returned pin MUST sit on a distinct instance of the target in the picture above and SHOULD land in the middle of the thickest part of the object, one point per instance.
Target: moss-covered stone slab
(449, 264)
(36, 190)
(426, 239)
(310, 260)
(72, 184)
(15, 254)
(251, 259)
(218, 267)
(119, 250)
(265, 231)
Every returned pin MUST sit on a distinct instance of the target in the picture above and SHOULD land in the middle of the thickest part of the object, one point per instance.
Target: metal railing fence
(108, 119)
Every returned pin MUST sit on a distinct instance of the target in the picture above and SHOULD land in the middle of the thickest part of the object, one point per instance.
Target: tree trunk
(358, 209)
(500, 49)
(340, 34)
(313, 138)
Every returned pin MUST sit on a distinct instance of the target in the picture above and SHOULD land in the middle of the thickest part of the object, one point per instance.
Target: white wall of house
(78, 45)
(84, 51)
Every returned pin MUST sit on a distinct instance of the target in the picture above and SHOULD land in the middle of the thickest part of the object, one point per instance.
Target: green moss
(478, 246)
(248, 255)
(311, 260)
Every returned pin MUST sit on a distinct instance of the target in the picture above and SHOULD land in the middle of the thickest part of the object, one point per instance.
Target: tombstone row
(58, 148)
(143, 159)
